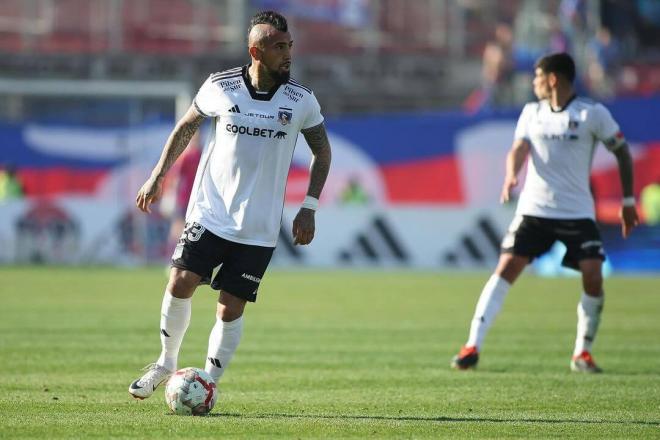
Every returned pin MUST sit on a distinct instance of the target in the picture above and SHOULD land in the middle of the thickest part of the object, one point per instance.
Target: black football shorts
(533, 236)
(241, 265)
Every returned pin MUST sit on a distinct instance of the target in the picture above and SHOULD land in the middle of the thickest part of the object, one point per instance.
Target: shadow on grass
(434, 419)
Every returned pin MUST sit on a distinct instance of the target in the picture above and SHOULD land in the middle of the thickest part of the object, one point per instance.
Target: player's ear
(255, 52)
(552, 79)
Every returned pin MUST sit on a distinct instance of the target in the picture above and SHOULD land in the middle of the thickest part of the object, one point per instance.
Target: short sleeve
(313, 116)
(522, 127)
(206, 101)
(604, 127)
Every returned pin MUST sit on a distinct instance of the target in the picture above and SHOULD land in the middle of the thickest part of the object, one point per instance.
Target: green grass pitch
(328, 355)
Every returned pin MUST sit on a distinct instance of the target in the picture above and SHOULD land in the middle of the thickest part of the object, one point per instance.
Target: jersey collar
(253, 92)
(565, 105)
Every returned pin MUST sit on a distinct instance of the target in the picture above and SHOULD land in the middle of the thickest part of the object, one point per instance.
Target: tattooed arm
(184, 130)
(317, 139)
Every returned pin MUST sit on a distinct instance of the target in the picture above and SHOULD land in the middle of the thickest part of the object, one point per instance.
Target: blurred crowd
(360, 56)
(616, 45)
(355, 53)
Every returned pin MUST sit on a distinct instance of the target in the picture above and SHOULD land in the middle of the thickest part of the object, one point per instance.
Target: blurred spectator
(497, 68)
(650, 11)
(533, 27)
(558, 41)
(10, 185)
(603, 59)
(650, 201)
(621, 19)
(649, 22)
(354, 193)
(572, 15)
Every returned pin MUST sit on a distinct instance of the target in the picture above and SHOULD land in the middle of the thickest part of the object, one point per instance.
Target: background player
(560, 133)
(235, 209)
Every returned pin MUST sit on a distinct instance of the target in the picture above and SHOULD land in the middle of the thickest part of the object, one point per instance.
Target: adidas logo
(378, 245)
(478, 246)
(214, 361)
(235, 109)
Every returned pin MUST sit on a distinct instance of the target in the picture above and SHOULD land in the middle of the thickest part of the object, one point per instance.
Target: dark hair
(269, 17)
(557, 63)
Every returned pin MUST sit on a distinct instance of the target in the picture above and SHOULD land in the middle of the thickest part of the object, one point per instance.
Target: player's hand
(510, 182)
(629, 220)
(151, 192)
(303, 227)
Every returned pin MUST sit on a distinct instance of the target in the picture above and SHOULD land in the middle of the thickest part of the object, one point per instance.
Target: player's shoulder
(585, 101)
(226, 74)
(532, 107)
(296, 85)
(592, 108)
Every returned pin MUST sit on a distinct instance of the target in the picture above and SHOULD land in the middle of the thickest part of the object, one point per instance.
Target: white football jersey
(562, 148)
(238, 192)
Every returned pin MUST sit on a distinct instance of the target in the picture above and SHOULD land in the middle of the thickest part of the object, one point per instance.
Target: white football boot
(146, 385)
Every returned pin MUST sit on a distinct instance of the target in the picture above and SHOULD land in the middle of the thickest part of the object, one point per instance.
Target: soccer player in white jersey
(559, 134)
(235, 208)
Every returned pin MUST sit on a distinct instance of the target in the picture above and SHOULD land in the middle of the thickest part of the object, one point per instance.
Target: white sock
(588, 312)
(223, 342)
(489, 304)
(174, 320)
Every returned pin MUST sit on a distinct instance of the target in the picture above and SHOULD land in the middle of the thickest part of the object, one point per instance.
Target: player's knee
(511, 266)
(182, 283)
(228, 314)
(592, 282)
(230, 307)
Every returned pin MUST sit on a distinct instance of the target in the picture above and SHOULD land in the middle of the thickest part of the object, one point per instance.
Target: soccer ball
(191, 391)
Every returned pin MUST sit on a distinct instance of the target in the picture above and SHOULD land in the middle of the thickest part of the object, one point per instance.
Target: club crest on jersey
(284, 115)
(572, 125)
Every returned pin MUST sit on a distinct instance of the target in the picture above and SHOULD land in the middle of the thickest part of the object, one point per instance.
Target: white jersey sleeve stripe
(199, 110)
(294, 83)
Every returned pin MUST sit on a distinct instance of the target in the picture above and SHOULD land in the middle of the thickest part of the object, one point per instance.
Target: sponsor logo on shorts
(251, 278)
(591, 243)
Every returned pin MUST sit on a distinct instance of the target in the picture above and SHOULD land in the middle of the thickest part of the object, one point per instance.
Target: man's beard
(280, 77)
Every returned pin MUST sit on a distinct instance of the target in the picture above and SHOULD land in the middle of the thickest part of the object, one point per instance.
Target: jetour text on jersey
(255, 131)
